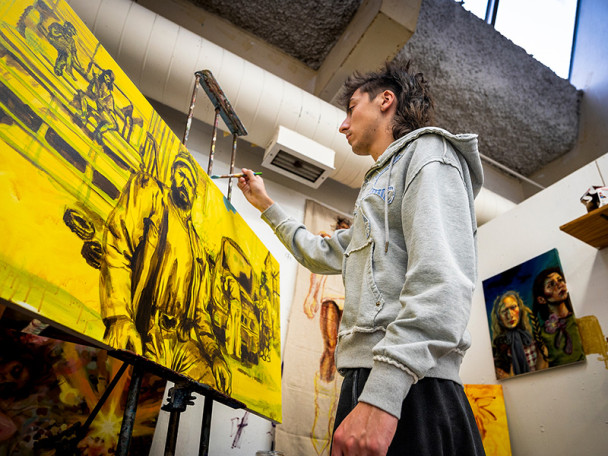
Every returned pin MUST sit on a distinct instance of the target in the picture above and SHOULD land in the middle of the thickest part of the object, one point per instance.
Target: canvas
(531, 318)
(48, 390)
(312, 385)
(111, 231)
(488, 405)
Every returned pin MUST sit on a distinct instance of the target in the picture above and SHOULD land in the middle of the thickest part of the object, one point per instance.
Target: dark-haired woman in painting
(517, 349)
(553, 308)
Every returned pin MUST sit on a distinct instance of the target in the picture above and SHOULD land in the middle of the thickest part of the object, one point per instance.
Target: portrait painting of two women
(531, 318)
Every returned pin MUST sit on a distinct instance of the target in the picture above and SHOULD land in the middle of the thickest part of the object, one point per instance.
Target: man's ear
(541, 300)
(388, 100)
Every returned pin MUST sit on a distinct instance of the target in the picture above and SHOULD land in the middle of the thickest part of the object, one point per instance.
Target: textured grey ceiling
(525, 115)
(304, 29)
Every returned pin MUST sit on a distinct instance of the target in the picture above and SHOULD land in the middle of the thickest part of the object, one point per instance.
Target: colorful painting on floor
(111, 231)
(531, 318)
(488, 405)
(49, 389)
(311, 384)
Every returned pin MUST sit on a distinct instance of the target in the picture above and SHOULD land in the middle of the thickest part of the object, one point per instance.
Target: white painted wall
(561, 411)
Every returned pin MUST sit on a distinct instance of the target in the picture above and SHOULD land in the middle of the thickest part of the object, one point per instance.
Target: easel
(180, 396)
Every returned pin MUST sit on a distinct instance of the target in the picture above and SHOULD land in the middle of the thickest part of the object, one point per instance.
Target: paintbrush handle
(224, 176)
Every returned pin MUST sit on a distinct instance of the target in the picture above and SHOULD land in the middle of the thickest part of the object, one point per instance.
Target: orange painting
(488, 404)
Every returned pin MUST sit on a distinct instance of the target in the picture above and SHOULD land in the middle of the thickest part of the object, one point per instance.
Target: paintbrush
(223, 176)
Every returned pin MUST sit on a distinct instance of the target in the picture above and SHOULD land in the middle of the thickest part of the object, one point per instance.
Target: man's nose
(344, 126)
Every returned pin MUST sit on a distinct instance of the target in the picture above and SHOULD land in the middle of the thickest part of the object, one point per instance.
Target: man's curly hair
(415, 105)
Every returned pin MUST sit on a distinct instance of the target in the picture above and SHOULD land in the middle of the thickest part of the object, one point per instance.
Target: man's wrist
(263, 205)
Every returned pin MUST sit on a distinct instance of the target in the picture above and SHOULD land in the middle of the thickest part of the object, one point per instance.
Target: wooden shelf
(591, 228)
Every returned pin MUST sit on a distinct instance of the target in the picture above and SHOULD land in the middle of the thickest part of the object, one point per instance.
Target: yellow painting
(111, 230)
(488, 404)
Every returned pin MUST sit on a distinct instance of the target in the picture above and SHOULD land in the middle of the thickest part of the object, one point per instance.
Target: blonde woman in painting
(516, 350)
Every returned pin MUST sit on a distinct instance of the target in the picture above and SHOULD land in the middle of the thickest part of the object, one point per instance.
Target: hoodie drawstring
(386, 196)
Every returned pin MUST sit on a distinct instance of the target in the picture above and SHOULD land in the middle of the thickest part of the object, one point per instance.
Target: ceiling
(526, 116)
(303, 29)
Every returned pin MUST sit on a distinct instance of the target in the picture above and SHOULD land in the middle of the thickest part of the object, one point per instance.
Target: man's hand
(254, 190)
(366, 431)
(223, 377)
(122, 333)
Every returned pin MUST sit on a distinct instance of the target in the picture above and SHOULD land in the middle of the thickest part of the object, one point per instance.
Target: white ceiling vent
(298, 157)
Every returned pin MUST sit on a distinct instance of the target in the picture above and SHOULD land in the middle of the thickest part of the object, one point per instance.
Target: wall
(590, 74)
(561, 411)
(257, 435)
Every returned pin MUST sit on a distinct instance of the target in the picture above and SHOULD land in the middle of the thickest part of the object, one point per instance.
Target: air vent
(299, 158)
(295, 165)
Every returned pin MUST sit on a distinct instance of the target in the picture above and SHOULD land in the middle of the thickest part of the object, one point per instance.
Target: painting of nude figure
(112, 231)
(311, 383)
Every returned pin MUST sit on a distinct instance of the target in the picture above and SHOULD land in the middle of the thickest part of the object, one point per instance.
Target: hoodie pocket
(362, 295)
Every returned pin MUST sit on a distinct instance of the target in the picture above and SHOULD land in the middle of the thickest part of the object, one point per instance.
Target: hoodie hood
(464, 144)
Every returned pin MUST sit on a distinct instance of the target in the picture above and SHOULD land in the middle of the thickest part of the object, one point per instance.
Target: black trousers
(436, 418)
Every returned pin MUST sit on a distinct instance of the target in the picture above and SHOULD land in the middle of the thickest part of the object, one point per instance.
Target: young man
(409, 267)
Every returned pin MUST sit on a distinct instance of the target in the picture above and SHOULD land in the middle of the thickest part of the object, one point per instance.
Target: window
(544, 28)
(477, 7)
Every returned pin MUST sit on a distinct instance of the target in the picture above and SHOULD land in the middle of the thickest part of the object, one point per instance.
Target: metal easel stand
(128, 420)
(180, 396)
(224, 109)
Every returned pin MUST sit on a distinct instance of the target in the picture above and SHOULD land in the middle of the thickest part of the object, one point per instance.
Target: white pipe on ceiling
(161, 57)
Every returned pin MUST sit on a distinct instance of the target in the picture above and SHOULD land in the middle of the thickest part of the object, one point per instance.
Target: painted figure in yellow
(233, 334)
(97, 102)
(62, 38)
(267, 319)
(328, 291)
(155, 277)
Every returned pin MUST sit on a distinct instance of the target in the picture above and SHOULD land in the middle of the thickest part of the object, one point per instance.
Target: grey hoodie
(409, 263)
